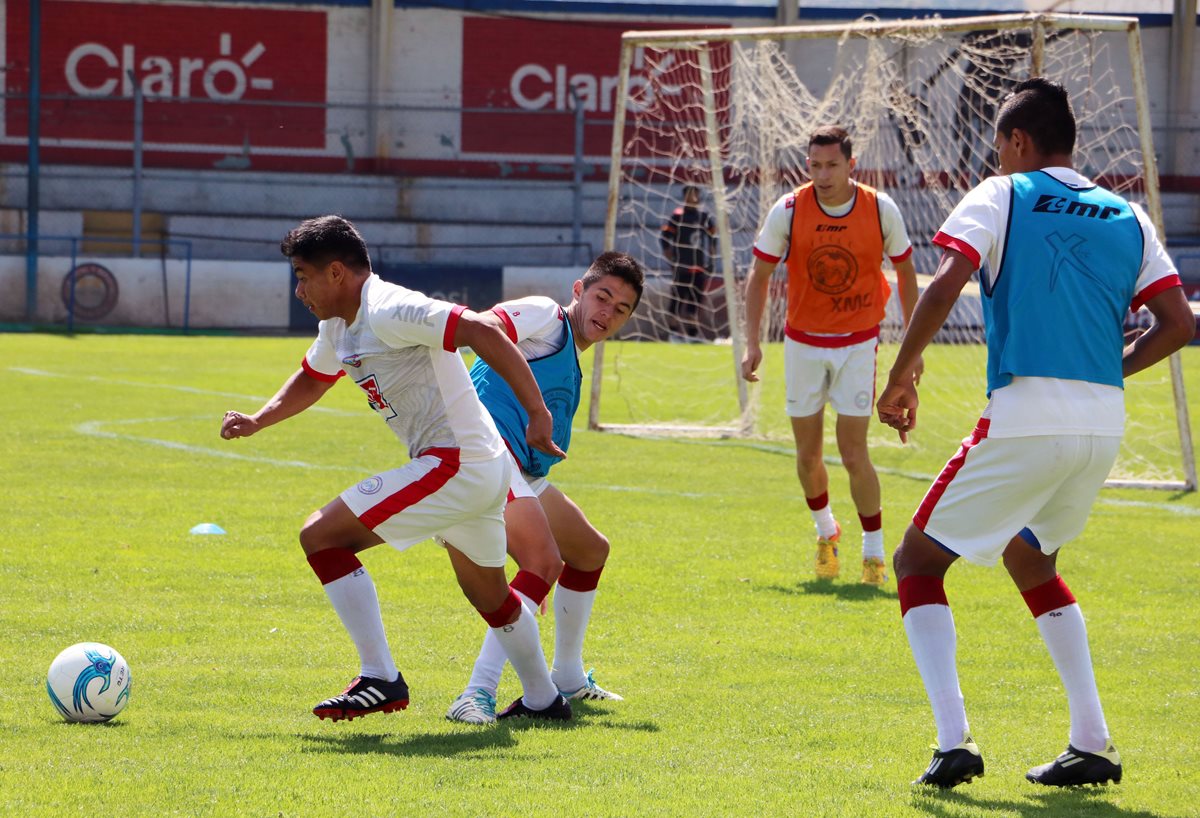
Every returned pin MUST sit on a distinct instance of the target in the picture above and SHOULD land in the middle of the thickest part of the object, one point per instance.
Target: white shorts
(995, 488)
(523, 484)
(436, 496)
(843, 377)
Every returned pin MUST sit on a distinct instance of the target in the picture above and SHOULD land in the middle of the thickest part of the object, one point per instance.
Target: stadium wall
(459, 89)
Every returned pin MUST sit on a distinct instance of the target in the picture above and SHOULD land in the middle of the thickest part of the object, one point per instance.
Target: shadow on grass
(469, 741)
(1092, 802)
(849, 591)
(429, 744)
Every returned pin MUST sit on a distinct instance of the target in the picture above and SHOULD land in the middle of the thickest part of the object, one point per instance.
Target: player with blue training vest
(1061, 261)
(548, 535)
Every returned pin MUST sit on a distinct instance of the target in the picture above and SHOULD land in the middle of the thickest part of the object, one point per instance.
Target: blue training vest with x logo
(1057, 307)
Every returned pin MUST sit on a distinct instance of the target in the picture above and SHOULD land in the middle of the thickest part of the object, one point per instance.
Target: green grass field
(750, 689)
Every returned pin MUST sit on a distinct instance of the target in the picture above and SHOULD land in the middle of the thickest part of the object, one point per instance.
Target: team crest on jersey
(371, 485)
(790, 202)
(832, 269)
(353, 360)
(375, 398)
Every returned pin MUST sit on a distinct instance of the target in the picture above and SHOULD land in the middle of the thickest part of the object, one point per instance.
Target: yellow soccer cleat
(874, 572)
(828, 566)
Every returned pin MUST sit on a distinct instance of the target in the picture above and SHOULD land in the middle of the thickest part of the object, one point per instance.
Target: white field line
(93, 429)
(41, 373)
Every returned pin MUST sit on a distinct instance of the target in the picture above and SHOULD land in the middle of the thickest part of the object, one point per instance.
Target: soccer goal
(730, 111)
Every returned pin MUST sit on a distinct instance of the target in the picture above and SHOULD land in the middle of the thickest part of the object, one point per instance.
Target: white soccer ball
(88, 682)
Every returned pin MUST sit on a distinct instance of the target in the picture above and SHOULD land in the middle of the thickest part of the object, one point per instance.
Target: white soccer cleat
(476, 706)
(592, 692)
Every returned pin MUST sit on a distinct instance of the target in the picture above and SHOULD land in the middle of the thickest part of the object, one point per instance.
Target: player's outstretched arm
(757, 289)
(897, 405)
(1174, 327)
(492, 345)
(297, 394)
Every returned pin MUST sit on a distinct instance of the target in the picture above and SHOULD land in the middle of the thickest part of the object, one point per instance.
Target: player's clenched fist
(750, 362)
(235, 424)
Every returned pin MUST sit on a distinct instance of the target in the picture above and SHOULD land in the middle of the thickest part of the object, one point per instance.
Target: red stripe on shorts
(921, 518)
(416, 491)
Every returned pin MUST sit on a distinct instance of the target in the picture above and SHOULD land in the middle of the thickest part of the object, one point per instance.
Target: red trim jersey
(978, 228)
(400, 351)
(837, 292)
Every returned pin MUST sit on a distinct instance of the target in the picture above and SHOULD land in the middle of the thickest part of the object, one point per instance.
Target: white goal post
(729, 111)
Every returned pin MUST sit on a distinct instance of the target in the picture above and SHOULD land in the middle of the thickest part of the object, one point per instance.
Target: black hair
(326, 239)
(620, 265)
(1040, 108)
(833, 135)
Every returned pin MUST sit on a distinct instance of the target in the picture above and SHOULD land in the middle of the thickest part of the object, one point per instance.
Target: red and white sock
(523, 646)
(532, 589)
(1061, 625)
(931, 635)
(822, 515)
(573, 600)
(872, 535)
(352, 594)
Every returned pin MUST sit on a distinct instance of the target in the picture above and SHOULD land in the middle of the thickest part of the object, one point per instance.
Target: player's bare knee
(598, 548)
(312, 538)
(808, 463)
(856, 461)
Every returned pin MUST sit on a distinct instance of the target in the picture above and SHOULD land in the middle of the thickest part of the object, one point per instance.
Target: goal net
(730, 111)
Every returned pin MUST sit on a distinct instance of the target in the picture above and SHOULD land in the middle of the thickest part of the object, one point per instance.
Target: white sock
(492, 658)
(931, 636)
(522, 644)
(872, 542)
(826, 525)
(572, 612)
(1065, 635)
(353, 597)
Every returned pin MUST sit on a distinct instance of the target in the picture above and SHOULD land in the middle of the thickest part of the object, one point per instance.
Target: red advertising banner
(209, 74)
(524, 70)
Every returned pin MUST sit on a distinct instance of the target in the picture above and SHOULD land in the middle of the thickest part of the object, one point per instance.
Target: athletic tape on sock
(333, 563)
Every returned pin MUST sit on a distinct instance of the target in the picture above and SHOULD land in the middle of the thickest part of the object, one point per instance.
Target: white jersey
(977, 228)
(536, 324)
(775, 238)
(400, 351)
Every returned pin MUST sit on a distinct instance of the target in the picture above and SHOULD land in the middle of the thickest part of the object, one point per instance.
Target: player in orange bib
(833, 234)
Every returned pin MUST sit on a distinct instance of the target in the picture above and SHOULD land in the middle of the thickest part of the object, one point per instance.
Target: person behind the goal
(1061, 261)
(833, 233)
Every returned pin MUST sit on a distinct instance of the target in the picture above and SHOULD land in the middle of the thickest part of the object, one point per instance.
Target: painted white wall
(235, 295)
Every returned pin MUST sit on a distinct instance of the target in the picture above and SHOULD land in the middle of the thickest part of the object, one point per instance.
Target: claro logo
(535, 87)
(96, 70)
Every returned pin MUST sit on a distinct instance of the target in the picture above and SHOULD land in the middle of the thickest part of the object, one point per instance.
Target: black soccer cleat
(363, 697)
(958, 765)
(1075, 768)
(557, 710)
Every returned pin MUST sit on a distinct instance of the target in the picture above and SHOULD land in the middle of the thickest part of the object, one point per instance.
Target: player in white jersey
(549, 536)
(1063, 260)
(401, 348)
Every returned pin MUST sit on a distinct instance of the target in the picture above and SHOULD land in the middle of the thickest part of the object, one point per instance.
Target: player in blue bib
(1061, 261)
(549, 537)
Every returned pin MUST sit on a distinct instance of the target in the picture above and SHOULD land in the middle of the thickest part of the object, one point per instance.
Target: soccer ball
(88, 682)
